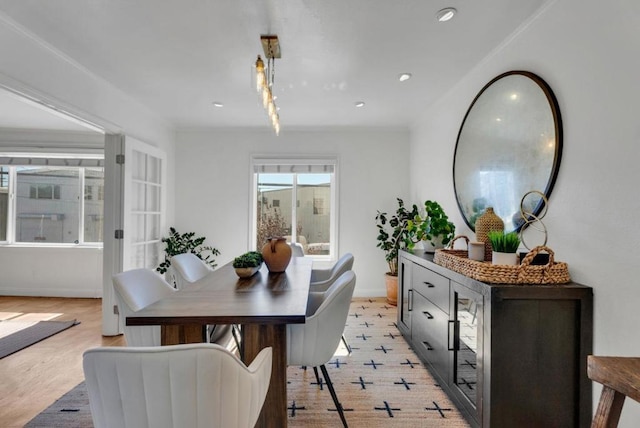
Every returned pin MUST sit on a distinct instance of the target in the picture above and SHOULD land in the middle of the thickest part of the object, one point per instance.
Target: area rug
(17, 335)
(382, 383)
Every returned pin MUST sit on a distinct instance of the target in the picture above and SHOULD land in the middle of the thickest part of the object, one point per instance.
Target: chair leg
(344, 340)
(333, 395)
(236, 336)
(315, 371)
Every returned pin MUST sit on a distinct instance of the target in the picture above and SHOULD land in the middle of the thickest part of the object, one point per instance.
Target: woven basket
(525, 273)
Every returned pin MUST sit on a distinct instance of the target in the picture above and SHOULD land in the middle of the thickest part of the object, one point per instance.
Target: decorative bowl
(246, 272)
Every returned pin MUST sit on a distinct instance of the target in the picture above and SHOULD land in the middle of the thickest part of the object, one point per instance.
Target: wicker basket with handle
(525, 273)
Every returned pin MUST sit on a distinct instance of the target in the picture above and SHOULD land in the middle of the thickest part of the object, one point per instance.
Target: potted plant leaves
(247, 264)
(435, 228)
(504, 246)
(396, 232)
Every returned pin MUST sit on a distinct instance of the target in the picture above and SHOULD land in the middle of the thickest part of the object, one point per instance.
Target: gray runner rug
(30, 335)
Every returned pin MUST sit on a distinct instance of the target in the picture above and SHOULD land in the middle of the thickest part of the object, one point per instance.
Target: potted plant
(435, 228)
(247, 264)
(396, 232)
(504, 246)
(177, 243)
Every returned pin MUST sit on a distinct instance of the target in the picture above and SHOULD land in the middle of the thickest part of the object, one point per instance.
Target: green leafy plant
(178, 243)
(397, 232)
(247, 260)
(435, 226)
(504, 242)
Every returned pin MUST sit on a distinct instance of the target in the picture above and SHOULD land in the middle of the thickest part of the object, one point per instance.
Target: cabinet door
(429, 334)
(467, 311)
(404, 296)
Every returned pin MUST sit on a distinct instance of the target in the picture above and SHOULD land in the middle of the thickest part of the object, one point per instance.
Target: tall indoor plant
(396, 232)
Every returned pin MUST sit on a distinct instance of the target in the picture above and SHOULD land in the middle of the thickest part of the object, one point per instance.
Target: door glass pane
(47, 205)
(153, 227)
(274, 210)
(313, 213)
(466, 356)
(153, 170)
(4, 201)
(138, 167)
(153, 198)
(93, 204)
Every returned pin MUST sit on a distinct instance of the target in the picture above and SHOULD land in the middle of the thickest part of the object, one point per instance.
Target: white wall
(31, 66)
(588, 54)
(213, 176)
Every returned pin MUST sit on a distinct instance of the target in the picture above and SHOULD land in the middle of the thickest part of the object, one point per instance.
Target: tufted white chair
(296, 249)
(134, 290)
(194, 385)
(321, 279)
(314, 342)
(187, 269)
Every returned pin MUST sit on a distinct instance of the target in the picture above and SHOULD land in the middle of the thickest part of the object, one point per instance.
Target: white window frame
(270, 160)
(12, 208)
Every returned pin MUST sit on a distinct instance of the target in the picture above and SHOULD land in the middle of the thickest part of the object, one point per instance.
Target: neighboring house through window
(51, 200)
(311, 182)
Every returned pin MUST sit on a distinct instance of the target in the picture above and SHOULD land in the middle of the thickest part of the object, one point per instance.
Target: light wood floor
(33, 378)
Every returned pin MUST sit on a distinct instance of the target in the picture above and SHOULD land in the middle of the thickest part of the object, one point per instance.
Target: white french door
(135, 181)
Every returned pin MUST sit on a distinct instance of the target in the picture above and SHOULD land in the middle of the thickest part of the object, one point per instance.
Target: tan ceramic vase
(276, 254)
(484, 224)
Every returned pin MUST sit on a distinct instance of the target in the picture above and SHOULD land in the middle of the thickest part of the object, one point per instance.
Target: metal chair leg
(344, 340)
(315, 371)
(333, 395)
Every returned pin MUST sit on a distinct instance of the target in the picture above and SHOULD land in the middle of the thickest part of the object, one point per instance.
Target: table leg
(178, 334)
(255, 338)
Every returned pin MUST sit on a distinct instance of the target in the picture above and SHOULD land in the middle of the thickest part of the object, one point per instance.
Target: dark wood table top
(223, 298)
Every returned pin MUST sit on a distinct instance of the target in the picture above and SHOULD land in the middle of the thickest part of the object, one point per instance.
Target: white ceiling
(178, 57)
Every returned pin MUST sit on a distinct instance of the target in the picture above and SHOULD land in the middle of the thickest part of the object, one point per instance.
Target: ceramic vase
(276, 254)
(487, 222)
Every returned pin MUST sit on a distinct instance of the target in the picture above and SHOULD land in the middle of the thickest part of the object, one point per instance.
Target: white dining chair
(313, 343)
(296, 249)
(193, 385)
(189, 268)
(136, 289)
(321, 279)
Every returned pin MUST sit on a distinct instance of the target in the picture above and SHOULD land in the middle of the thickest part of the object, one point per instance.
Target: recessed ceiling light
(404, 77)
(360, 104)
(446, 14)
(218, 104)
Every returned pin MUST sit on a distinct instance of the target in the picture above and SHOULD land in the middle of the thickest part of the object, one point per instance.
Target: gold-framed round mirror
(509, 143)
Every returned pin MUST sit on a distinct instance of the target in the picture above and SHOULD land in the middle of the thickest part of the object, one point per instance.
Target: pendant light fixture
(265, 76)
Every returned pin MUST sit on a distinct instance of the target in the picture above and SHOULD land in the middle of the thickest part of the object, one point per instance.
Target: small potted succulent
(504, 246)
(247, 264)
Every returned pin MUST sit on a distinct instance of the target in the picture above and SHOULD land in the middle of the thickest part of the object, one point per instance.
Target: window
(44, 202)
(311, 183)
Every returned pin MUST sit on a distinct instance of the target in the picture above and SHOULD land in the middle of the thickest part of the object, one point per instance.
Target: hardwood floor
(33, 378)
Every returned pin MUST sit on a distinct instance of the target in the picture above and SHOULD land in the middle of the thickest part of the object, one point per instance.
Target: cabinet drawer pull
(428, 345)
(453, 333)
(429, 285)
(410, 298)
(428, 315)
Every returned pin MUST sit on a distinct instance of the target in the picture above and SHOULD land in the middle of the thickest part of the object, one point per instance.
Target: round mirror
(510, 142)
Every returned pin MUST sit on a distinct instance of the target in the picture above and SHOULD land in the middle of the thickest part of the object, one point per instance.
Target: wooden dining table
(263, 304)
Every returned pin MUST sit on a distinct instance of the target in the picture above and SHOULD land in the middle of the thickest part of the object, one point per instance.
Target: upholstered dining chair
(296, 249)
(321, 279)
(189, 268)
(313, 343)
(136, 289)
(193, 385)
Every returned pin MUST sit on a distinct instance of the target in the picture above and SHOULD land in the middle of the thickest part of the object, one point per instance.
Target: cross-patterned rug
(382, 383)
